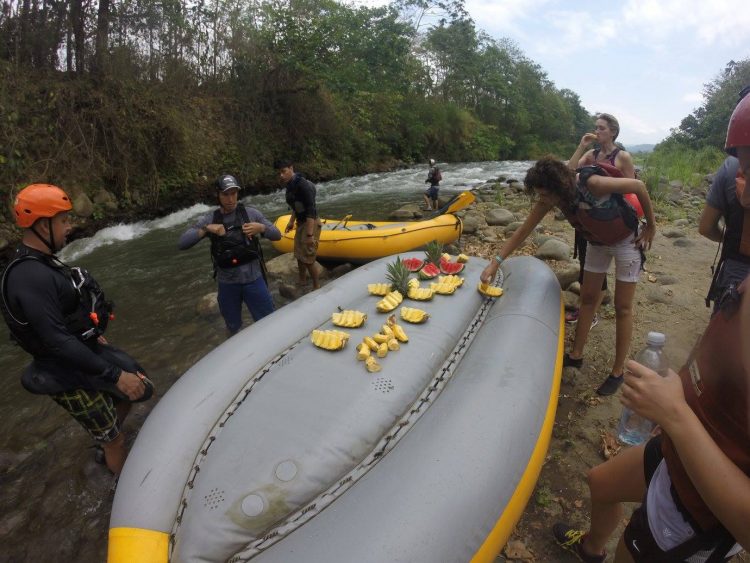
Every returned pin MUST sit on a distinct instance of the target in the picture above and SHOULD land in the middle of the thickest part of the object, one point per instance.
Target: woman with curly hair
(593, 204)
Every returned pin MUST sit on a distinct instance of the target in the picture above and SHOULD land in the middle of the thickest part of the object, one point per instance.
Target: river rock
(340, 270)
(82, 205)
(290, 292)
(676, 184)
(658, 294)
(554, 249)
(471, 223)
(575, 287)
(673, 233)
(568, 275)
(570, 300)
(402, 215)
(105, 199)
(683, 242)
(208, 305)
(681, 223)
(499, 217)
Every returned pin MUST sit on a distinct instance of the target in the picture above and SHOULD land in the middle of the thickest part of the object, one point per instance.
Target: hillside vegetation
(151, 99)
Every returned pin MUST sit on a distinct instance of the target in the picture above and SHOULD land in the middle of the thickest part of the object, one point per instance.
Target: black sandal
(569, 362)
(610, 385)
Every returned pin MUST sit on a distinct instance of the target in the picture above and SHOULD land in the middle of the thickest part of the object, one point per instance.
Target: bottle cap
(656, 339)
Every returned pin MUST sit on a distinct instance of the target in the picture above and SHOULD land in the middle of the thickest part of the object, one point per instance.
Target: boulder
(683, 242)
(554, 249)
(82, 205)
(105, 199)
(673, 233)
(471, 223)
(499, 217)
(568, 275)
(208, 305)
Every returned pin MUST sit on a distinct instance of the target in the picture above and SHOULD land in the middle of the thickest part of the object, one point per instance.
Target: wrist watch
(498, 260)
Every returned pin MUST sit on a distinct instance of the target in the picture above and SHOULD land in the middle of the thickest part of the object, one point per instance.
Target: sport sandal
(571, 540)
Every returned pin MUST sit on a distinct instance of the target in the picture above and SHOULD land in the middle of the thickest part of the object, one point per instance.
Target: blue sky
(644, 61)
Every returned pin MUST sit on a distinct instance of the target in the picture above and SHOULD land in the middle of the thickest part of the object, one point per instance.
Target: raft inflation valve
(252, 505)
(286, 470)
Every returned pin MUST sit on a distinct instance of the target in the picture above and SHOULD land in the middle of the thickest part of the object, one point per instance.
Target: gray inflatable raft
(270, 449)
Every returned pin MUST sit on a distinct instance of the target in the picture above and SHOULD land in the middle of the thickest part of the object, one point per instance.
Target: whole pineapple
(398, 275)
(434, 252)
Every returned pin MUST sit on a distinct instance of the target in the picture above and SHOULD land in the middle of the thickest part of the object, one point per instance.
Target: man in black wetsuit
(58, 314)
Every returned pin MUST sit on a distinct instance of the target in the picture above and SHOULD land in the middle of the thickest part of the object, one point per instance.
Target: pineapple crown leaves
(433, 252)
(398, 275)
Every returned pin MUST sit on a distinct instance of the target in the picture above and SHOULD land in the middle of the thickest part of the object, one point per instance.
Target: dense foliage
(146, 97)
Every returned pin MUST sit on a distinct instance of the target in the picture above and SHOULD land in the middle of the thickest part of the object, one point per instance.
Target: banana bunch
(349, 319)
(420, 293)
(489, 290)
(443, 288)
(458, 281)
(378, 288)
(415, 316)
(329, 339)
(389, 302)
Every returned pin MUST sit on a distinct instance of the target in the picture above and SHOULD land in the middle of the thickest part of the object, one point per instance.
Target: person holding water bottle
(633, 428)
(693, 479)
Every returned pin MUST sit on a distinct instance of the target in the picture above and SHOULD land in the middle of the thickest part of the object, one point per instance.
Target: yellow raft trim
(498, 537)
(127, 545)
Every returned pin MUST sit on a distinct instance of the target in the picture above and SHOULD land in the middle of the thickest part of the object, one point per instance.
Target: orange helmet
(738, 132)
(39, 200)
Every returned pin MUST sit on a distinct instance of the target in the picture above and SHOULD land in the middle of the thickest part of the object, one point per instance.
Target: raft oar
(456, 203)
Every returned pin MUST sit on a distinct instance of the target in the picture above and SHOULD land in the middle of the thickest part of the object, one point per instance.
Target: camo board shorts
(93, 410)
(303, 251)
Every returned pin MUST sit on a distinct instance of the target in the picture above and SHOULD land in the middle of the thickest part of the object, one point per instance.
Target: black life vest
(233, 249)
(607, 222)
(87, 321)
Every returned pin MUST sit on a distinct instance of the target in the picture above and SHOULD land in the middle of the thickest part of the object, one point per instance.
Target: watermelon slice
(451, 268)
(413, 264)
(428, 272)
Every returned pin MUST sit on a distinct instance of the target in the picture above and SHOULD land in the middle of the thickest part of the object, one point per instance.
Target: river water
(54, 500)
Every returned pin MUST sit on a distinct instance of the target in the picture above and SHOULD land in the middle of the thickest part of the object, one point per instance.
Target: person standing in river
(234, 231)
(300, 196)
(431, 194)
(58, 314)
(606, 131)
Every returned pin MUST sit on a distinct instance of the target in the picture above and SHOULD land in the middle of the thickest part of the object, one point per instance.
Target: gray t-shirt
(245, 273)
(723, 196)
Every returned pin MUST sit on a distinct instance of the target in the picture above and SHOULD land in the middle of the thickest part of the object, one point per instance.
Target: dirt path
(669, 299)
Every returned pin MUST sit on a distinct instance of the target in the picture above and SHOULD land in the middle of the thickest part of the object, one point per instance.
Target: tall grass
(676, 163)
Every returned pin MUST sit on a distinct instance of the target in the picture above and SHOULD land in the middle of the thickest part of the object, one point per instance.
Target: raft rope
(387, 443)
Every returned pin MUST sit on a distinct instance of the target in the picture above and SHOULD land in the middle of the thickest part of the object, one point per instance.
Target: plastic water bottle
(633, 428)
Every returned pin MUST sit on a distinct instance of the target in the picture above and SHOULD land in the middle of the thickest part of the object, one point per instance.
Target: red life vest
(716, 389)
(607, 222)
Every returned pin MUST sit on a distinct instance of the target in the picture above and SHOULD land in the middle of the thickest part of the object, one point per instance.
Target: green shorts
(93, 410)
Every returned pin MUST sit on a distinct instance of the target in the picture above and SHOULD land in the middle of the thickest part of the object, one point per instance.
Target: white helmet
(432, 162)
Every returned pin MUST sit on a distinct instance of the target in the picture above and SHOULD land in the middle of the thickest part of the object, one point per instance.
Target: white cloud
(693, 98)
